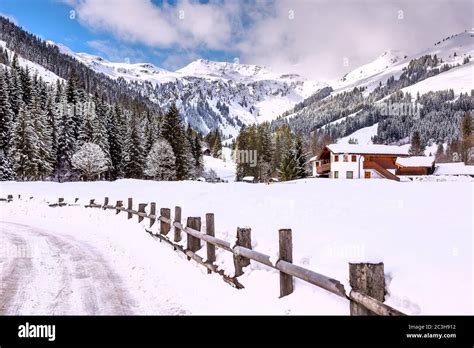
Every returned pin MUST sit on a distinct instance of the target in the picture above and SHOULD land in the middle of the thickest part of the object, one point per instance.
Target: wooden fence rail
(367, 280)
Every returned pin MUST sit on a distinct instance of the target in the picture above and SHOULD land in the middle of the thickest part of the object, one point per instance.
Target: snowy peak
(240, 73)
(383, 62)
(211, 94)
(224, 70)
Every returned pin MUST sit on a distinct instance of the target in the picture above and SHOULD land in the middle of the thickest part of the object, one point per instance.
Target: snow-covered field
(422, 231)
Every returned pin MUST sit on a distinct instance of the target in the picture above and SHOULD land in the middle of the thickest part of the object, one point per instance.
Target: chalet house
(353, 161)
(206, 151)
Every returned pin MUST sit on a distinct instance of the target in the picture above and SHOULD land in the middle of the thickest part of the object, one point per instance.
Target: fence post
(193, 243)
(141, 209)
(164, 226)
(106, 202)
(119, 204)
(129, 207)
(211, 249)
(368, 279)
(177, 218)
(285, 254)
(244, 240)
(153, 213)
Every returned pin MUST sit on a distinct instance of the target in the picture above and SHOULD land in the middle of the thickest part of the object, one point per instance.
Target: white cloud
(323, 33)
(310, 37)
(187, 24)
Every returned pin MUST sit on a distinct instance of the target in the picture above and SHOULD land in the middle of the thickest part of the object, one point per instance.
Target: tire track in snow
(79, 280)
(15, 272)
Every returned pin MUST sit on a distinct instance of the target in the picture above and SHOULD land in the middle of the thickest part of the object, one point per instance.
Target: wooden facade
(366, 162)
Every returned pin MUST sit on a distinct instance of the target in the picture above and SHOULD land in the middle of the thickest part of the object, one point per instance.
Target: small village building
(455, 169)
(415, 165)
(353, 161)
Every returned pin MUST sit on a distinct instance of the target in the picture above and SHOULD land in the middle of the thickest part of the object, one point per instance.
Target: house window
(346, 158)
(367, 175)
(336, 175)
(336, 158)
(354, 158)
(349, 174)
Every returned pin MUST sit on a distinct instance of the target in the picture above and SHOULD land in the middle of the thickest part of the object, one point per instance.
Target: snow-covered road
(51, 274)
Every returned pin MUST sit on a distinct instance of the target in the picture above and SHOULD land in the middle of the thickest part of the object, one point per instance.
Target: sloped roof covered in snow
(368, 149)
(415, 161)
(456, 168)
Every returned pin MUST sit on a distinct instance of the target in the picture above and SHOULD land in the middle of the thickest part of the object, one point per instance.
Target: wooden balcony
(323, 168)
(381, 170)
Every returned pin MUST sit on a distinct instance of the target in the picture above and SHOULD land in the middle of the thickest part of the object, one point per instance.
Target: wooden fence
(366, 279)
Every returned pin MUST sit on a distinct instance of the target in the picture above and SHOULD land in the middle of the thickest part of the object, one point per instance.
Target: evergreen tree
(196, 150)
(99, 133)
(289, 168)
(240, 145)
(217, 146)
(173, 132)
(6, 131)
(66, 139)
(73, 99)
(115, 134)
(43, 134)
(417, 147)
(152, 130)
(52, 125)
(72, 87)
(6, 170)
(134, 158)
(26, 86)
(300, 158)
(14, 87)
(466, 138)
(160, 163)
(86, 132)
(265, 151)
(26, 146)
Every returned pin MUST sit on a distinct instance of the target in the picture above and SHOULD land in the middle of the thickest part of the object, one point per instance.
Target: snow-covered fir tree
(6, 130)
(26, 146)
(160, 162)
(173, 131)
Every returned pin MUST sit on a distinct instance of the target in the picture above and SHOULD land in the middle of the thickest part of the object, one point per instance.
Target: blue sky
(53, 20)
(320, 39)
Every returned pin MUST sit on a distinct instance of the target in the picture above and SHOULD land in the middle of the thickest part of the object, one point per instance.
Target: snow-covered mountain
(451, 50)
(347, 111)
(211, 94)
(227, 95)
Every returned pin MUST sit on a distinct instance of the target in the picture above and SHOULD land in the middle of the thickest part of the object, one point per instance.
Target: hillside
(211, 94)
(437, 83)
(221, 95)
